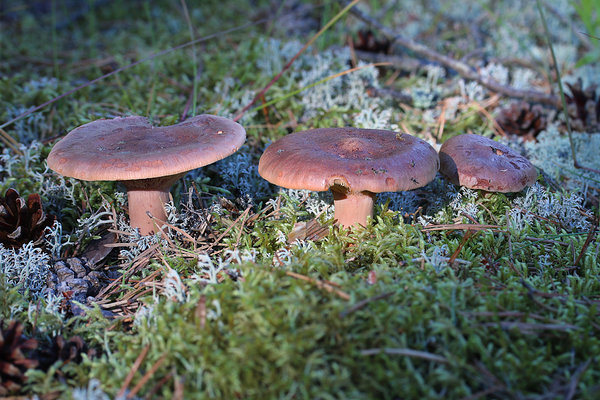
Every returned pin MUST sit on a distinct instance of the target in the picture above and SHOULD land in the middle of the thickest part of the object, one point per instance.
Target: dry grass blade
(10, 142)
(133, 370)
(124, 244)
(230, 227)
(139, 262)
(404, 352)
(474, 227)
(309, 230)
(319, 82)
(507, 314)
(320, 284)
(146, 376)
(159, 384)
(186, 236)
(200, 312)
(141, 288)
(239, 235)
(363, 303)
(193, 100)
(289, 63)
(575, 379)
(119, 232)
(482, 109)
(588, 240)
(178, 388)
(495, 384)
(468, 234)
(484, 393)
(529, 327)
(547, 241)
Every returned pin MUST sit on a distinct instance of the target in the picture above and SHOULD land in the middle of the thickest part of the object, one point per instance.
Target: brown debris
(308, 230)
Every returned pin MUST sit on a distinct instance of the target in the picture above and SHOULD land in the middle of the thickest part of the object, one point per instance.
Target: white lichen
(25, 268)
(552, 153)
(93, 391)
(564, 208)
(173, 287)
(208, 270)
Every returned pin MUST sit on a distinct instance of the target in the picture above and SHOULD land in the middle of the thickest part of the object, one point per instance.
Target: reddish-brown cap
(356, 159)
(480, 163)
(130, 148)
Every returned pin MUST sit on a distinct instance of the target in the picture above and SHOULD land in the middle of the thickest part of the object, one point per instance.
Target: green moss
(512, 316)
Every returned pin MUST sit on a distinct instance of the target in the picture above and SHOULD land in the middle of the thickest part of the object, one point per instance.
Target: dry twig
(461, 68)
(575, 379)
(363, 303)
(320, 284)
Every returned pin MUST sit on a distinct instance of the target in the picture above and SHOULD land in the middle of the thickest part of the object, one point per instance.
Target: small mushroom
(354, 163)
(146, 159)
(477, 162)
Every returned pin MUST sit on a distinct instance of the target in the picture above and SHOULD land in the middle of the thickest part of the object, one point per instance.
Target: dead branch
(364, 302)
(461, 68)
(397, 95)
(399, 62)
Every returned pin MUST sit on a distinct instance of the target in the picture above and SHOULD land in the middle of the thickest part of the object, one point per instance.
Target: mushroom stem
(353, 208)
(143, 201)
(149, 196)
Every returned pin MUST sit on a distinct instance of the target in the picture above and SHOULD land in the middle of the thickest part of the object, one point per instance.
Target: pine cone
(65, 351)
(583, 106)
(522, 119)
(367, 41)
(13, 363)
(22, 222)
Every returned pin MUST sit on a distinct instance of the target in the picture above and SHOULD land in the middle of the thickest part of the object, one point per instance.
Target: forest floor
(252, 291)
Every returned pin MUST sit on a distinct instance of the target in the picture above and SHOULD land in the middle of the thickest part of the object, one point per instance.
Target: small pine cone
(72, 349)
(65, 350)
(367, 41)
(583, 106)
(522, 119)
(22, 222)
(13, 362)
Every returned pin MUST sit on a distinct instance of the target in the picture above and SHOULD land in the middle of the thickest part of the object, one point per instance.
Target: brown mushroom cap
(130, 148)
(355, 159)
(146, 159)
(477, 162)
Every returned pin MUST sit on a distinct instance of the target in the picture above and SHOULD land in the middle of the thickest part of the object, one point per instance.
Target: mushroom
(146, 159)
(477, 162)
(353, 163)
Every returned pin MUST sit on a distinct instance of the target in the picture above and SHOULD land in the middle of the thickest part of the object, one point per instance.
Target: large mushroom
(477, 162)
(353, 163)
(146, 159)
